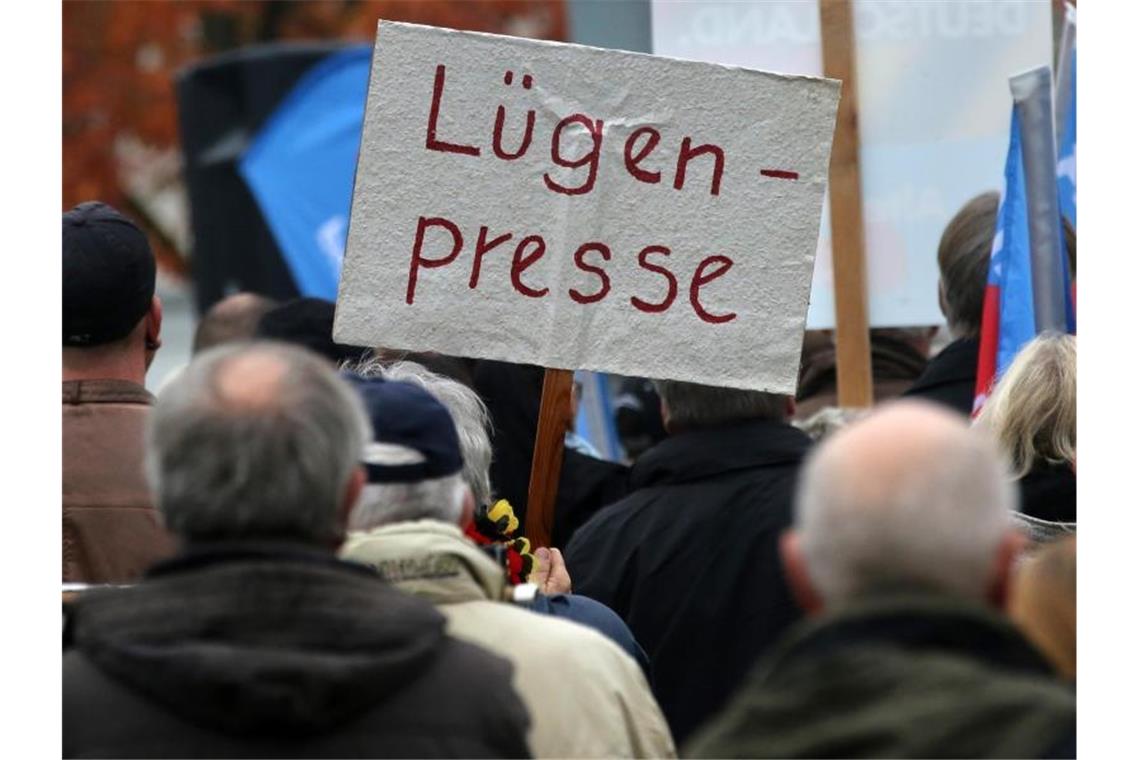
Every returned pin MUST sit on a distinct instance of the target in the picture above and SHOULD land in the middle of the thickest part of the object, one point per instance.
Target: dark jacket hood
(915, 622)
(255, 638)
(698, 454)
(902, 675)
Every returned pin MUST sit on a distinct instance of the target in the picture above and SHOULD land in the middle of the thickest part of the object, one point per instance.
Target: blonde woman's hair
(1032, 411)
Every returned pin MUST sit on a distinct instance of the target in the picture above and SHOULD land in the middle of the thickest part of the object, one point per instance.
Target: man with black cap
(111, 324)
(586, 696)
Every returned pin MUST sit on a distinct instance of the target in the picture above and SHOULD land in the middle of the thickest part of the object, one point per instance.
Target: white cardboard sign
(580, 208)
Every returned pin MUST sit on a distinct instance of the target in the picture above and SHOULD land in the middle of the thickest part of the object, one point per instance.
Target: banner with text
(580, 208)
(933, 113)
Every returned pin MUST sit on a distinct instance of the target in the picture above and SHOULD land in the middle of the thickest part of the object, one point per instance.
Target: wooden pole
(546, 466)
(852, 336)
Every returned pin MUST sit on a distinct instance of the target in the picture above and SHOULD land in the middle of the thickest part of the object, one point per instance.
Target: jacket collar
(956, 363)
(105, 392)
(430, 559)
(194, 556)
(700, 454)
(914, 621)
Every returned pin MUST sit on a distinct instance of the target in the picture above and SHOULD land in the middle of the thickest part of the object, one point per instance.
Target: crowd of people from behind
(301, 548)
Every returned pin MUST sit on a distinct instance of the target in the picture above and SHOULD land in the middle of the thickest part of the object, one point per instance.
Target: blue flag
(1026, 272)
(300, 168)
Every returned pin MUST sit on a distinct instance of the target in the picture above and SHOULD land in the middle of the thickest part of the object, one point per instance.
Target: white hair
(435, 499)
(925, 508)
(467, 411)
(828, 420)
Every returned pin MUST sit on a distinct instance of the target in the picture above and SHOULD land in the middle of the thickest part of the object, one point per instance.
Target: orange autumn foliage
(119, 59)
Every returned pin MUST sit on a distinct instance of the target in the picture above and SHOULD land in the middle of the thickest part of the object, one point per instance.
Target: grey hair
(830, 419)
(255, 440)
(1032, 411)
(690, 405)
(467, 411)
(932, 522)
(964, 263)
(434, 499)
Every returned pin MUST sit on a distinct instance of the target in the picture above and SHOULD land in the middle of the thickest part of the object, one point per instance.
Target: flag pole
(852, 334)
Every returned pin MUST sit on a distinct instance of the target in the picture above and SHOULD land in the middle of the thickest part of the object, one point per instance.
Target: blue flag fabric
(1008, 315)
(1011, 271)
(300, 168)
(595, 422)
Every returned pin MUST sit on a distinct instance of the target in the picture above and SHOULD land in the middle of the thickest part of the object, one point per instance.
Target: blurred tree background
(120, 121)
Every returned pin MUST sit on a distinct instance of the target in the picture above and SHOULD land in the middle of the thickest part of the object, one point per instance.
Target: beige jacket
(587, 698)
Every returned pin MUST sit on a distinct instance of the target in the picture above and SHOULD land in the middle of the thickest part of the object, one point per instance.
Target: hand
(550, 574)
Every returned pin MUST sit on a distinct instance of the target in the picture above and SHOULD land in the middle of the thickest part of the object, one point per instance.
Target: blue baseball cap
(413, 435)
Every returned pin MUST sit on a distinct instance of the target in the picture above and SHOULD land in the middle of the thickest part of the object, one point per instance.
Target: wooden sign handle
(546, 466)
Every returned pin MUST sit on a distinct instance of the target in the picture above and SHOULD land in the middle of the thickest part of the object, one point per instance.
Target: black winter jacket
(1049, 492)
(950, 377)
(690, 559)
(268, 651)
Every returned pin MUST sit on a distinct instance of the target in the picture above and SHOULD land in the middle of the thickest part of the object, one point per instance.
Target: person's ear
(467, 515)
(795, 571)
(665, 418)
(1009, 549)
(154, 325)
(352, 493)
(789, 407)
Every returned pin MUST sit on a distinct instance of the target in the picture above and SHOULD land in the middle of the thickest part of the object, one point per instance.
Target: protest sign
(574, 207)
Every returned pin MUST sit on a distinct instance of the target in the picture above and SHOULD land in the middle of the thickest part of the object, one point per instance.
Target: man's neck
(962, 333)
(96, 364)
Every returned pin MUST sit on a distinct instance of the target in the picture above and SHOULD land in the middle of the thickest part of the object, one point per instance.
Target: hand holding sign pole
(571, 207)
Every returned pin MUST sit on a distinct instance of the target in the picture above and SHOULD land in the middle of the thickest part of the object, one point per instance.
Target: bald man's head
(909, 497)
(233, 319)
(257, 441)
(251, 381)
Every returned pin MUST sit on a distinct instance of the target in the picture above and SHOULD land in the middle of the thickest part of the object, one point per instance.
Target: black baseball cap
(413, 435)
(108, 275)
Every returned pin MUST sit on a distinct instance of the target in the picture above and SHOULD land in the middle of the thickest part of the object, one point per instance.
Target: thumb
(541, 566)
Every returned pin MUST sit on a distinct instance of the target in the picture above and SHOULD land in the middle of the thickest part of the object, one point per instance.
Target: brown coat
(111, 533)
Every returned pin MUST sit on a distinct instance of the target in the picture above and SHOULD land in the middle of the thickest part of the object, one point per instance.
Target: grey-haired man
(255, 640)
